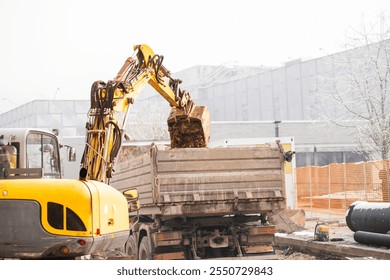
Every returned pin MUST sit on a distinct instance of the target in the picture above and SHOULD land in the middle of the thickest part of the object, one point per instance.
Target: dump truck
(202, 203)
(185, 200)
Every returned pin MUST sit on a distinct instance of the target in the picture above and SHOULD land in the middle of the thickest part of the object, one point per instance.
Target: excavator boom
(188, 125)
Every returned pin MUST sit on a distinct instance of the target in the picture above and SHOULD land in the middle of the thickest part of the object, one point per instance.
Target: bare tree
(355, 87)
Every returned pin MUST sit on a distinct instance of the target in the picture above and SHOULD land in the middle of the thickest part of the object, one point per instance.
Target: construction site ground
(300, 245)
(295, 241)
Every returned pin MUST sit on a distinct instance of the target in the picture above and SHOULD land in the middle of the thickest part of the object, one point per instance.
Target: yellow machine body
(42, 217)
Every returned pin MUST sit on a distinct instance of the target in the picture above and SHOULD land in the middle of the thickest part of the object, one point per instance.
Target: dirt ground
(282, 255)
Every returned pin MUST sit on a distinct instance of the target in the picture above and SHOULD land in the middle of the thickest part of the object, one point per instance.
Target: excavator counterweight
(189, 130)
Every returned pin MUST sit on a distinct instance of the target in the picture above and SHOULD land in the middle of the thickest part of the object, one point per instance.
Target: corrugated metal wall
(67, 115)
(284, 93)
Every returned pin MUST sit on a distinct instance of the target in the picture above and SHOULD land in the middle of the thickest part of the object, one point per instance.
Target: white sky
(56, 49)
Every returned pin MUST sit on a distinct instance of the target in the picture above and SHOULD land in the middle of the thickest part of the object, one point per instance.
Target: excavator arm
(188, 124)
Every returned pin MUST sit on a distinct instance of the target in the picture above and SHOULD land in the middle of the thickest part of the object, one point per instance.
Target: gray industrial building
(244, 102)
(276, 94)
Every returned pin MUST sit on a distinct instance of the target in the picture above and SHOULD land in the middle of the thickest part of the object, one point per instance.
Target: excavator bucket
(189, 130)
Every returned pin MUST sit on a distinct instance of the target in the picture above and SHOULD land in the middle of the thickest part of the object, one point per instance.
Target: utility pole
(277, 128)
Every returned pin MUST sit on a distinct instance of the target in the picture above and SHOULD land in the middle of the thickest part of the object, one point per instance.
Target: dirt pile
(189, 131)
(288, 221)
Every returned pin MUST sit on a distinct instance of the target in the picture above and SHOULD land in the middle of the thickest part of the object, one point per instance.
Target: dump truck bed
(196, 182)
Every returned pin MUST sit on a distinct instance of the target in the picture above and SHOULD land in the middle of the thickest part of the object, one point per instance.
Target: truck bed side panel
(204, 181)
(134, 170)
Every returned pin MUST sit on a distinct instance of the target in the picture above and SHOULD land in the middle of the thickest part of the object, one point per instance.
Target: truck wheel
(144, 250)
(131, 247)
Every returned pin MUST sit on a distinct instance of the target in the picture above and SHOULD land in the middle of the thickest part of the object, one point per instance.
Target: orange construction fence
(334, 187)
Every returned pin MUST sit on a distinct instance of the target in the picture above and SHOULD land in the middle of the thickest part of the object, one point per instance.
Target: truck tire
(144, 252)
(131, 247)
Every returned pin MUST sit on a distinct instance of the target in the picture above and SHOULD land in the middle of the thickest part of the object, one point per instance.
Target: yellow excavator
(46, 217)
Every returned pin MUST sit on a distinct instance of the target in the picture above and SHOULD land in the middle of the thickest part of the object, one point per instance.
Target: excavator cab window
(43, 152)
(8, 158)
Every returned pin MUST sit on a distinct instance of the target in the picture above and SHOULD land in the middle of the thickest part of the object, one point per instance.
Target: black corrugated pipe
(372, 238)
(369, 216)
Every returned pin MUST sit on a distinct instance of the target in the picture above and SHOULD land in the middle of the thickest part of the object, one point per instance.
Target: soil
(288, 255)
(187, 134)
(189, 131)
